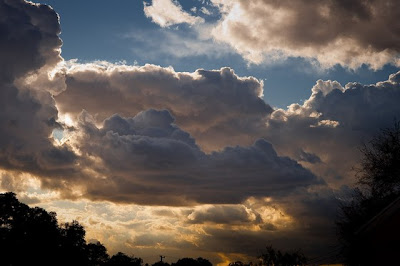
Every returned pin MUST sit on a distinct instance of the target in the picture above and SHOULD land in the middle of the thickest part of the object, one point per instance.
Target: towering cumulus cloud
(28, 43)
(334, 32)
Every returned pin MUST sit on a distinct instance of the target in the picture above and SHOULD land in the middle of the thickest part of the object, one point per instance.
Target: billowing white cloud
(169, 12)
(350, 33)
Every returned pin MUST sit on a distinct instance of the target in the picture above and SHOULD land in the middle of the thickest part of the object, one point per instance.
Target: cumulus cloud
(169, 12)
(218, 109)
(350, 33)
(209, 104)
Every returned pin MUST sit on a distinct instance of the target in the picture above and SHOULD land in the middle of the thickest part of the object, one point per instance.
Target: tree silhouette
(274, 257)
(96, 254)
(74, 244)
(379, 185)
(380, 166)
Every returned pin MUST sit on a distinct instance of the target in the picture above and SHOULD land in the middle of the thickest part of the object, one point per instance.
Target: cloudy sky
(195, 127)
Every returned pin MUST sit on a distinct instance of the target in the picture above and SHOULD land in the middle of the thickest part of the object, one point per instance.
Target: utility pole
(161, 258)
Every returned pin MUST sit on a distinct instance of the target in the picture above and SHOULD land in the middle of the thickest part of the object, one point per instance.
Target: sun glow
(68, 120)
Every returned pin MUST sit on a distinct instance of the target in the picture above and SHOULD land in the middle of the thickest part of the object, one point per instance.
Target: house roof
(379, 219)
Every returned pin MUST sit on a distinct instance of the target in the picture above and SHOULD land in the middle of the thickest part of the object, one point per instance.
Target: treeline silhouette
(378, 187)
(33, 236)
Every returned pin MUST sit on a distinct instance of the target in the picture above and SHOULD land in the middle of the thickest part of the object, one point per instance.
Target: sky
(194, 128)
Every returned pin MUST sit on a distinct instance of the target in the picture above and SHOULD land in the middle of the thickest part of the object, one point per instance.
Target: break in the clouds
(169, 12)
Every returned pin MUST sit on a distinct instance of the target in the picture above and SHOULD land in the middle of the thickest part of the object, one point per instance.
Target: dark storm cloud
(346, 32)
(149, 155)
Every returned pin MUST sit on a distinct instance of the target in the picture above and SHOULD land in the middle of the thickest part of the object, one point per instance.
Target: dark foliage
(192, 262)
(380, 167)
(379, 185)
(274, 257)
(97, 254)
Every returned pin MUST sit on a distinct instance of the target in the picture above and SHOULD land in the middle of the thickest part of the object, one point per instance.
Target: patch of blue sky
(58, 134)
